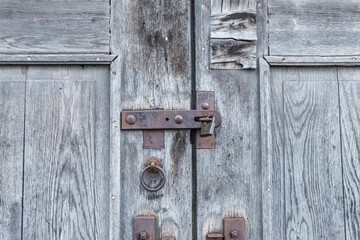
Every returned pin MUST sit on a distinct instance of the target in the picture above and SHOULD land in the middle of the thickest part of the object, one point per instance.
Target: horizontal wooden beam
(58, 59)
(313, 60)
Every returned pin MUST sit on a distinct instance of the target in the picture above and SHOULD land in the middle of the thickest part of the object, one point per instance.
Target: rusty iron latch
(154, 122)
(234, 228)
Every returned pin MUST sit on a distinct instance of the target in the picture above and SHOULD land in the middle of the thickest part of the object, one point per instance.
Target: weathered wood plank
(233, 34)
(276, 139)
(66, 188)
(12, 101)
(266, 149)
(228, 177)
(56, 59)
(54, 27)
(232, 54)
(218, 6)
(158, 45)
(349, 103)
(314, 27)
(313, 168)
(313, 60)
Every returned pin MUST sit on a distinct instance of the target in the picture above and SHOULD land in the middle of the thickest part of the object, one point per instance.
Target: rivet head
(143, 236)
(234, 234)
(205, 106)
(179, 119)
(130, 119)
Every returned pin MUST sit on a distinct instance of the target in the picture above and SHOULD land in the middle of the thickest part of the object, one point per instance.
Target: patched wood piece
(233, 35)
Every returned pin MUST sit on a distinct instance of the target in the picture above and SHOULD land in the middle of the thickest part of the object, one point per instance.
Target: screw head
(143, 236)
(205, 106)
(179, 119)
(234, 234)
(130, 119)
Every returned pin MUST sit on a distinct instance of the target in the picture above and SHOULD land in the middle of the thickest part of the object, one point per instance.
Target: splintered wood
(233, 34)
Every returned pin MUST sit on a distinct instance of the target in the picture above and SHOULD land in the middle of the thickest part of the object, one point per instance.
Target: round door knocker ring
(153, 166)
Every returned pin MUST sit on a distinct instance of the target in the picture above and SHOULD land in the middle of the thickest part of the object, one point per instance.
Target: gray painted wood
(266, 148)
(66, 163)
(313, 60)
(12, 100)
(312, 155)
(54, 26)
(349, 103)
(56, 59)
(228, 177)
(154, 72)
(233, 34)
(305, 190)
(306, 27)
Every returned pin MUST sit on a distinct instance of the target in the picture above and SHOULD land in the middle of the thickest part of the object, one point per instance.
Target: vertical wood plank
(276, 138)
(313, 169)
(228, 176)
(349, 104)
(154, 72)
(349, 100)
(266, 149)
(66, 153)
(12, 100)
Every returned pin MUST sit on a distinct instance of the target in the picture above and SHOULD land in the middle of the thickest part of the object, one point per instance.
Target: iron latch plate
(154, 122)
(234, 228)
(144, 227)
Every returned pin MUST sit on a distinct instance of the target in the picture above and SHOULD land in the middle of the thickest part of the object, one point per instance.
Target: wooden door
(69, 172)
(310, 158)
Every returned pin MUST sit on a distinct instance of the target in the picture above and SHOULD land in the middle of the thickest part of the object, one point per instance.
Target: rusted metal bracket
(234, 228)
(144, 227)
(154, 122)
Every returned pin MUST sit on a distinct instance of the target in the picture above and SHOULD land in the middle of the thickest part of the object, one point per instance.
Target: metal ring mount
(153, 167)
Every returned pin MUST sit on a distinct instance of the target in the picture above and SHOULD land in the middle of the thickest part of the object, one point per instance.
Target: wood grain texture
(66, 185)
(233, 34)
(266, 148)
(349, 103)
(54, 26)
(56, 59)
(313, 168)
(315, 27)
(228, 177)
(349, 97)
(279, 154)
(313, 60)
(154, 71)
(12, 100)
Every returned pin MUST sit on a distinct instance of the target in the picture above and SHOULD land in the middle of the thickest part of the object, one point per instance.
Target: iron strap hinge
(154, 122)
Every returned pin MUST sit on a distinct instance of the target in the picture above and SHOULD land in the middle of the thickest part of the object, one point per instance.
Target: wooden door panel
(312, 161)
(66, 157)
(302, 153)
(12, 100)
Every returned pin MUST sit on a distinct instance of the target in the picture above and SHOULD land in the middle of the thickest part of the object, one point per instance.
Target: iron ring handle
(159, 170)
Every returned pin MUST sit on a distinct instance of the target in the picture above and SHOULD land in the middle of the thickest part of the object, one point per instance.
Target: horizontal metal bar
(166, 119)
(60, 59)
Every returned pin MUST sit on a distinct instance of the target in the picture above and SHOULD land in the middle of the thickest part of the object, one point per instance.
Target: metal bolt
(130, 119)
(234, 234)
(143, 235)
(179, 119)
(205, 106)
